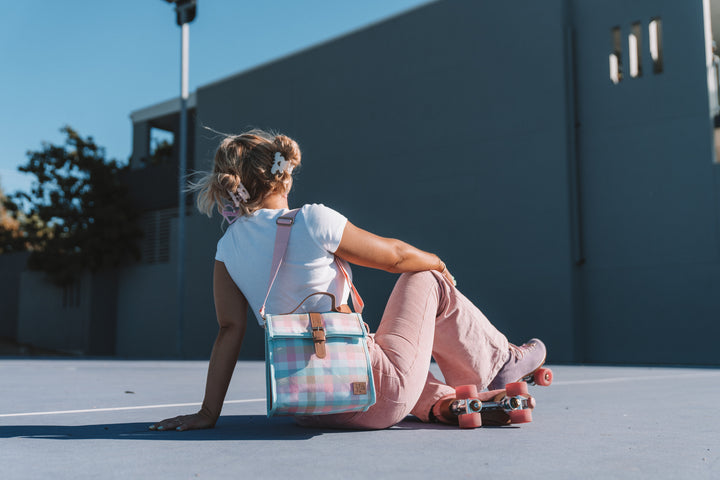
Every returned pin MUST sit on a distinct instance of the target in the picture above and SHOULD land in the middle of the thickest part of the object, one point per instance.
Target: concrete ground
(87, 419)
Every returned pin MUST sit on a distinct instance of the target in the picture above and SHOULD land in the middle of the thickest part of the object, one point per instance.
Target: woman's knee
(424, 279)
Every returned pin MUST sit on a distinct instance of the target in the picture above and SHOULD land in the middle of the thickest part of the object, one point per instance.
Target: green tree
(9, 225)
(162, 153)
(7, 220)
(77, 215)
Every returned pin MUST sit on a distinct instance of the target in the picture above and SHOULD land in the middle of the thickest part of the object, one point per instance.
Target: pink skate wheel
(543, 377)
(516, 388)
(520, 416)
(470, 420)
(466, 391)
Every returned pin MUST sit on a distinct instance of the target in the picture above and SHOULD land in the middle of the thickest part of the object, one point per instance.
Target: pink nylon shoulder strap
(356, 299)
(282, 238)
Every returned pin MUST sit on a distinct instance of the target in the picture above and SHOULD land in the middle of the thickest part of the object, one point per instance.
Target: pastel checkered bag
(316, 363)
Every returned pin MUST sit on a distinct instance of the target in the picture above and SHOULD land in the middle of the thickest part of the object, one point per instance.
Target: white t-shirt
(246, 249)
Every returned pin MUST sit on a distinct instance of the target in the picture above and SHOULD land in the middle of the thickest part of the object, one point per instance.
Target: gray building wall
(147, 299)
(568, 208)
(445, 127)
(11, 266)
(649, 187)
(79, 318)
(60, 321)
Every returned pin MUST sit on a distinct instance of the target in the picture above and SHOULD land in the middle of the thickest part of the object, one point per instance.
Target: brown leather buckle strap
(332, 299)
(318, 333)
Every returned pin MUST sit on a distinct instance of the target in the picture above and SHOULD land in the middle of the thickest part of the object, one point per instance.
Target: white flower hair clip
(281, 165)
(240, 195)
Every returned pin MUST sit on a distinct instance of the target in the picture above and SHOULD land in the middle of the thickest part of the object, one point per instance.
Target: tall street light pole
(185, 11)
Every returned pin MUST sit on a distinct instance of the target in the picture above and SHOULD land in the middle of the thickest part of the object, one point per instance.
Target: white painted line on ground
(117, 409)
(677, 376)
(589, 381)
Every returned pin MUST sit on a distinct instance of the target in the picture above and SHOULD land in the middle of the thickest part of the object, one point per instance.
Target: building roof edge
(161, 109)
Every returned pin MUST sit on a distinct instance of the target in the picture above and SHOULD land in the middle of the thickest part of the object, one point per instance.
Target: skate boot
(471, 409)
(525, 365)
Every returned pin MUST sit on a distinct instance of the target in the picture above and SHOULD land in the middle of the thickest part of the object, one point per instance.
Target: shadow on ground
(232, 427)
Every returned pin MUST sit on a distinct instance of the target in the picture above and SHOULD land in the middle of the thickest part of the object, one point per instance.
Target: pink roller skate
(510, 406)
(525, 365)
(471, 409)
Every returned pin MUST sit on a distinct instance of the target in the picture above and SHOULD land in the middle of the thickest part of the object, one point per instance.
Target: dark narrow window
(655, 41)
(616, 73)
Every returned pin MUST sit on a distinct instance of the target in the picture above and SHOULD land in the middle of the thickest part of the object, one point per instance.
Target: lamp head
(185, 10)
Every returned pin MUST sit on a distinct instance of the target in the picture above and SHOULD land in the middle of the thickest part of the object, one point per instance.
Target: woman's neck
(275, 201)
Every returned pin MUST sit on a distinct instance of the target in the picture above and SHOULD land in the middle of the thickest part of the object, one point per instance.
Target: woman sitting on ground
(426, 315)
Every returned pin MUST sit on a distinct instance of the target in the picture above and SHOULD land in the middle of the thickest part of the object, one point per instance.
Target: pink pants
(425, 316)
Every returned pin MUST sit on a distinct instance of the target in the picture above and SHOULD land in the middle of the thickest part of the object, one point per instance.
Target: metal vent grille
(156, 242)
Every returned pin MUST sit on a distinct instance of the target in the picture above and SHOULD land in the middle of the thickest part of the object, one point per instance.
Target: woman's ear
(288, 186)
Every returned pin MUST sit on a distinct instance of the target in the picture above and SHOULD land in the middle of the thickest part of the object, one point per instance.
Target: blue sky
(88, 64)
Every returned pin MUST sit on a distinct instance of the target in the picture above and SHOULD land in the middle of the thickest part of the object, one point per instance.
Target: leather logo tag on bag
(359, 388)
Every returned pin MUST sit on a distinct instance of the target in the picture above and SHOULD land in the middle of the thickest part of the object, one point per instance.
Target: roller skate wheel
(543, 377)
(469, 393)
(520, 416)
(470, 420)
(516, 388)
(466, 391)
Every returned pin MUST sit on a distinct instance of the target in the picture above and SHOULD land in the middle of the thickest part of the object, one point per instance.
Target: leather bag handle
(332, 299)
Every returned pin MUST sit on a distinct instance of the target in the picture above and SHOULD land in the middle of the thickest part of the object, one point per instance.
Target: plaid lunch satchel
(315, 363)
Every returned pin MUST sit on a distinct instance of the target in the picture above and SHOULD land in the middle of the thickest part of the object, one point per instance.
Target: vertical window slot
(655, 40)
(616, 72)
(635, 49)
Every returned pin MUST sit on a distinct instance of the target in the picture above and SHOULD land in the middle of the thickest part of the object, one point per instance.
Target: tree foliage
(77, 215)
(9, 225)
(7, 220)
(162, 153)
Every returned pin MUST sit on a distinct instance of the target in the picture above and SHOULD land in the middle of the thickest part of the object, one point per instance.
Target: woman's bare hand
(448, 276)
(196, 421)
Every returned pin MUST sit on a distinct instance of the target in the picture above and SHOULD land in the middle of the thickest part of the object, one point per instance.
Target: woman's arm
(368, 250)
(231, 310)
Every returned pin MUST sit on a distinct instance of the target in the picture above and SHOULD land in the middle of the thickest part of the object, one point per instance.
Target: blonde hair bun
(245, 159)
(289, 149)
